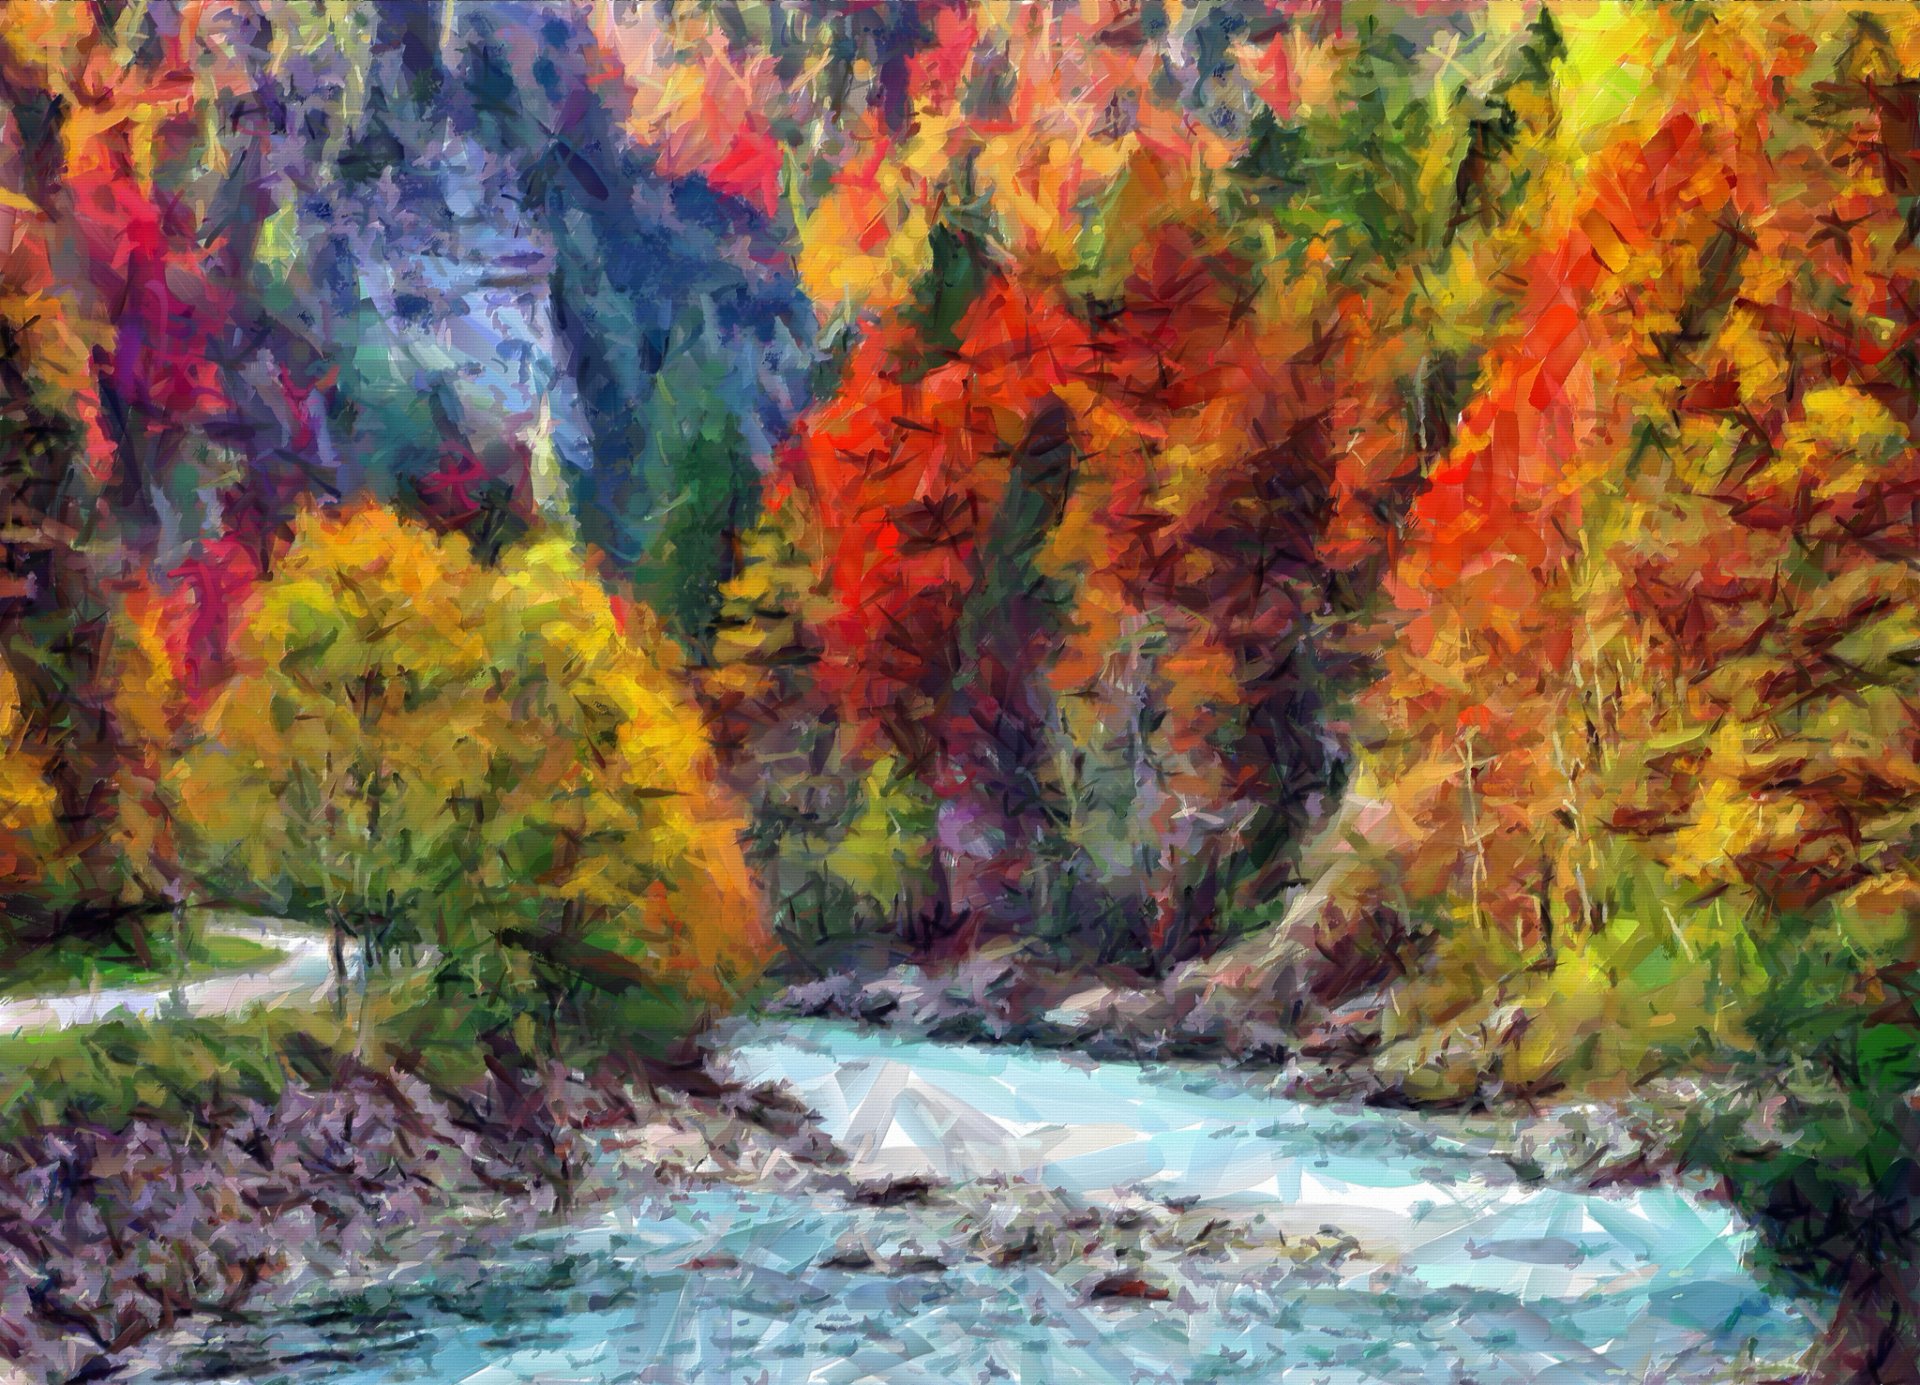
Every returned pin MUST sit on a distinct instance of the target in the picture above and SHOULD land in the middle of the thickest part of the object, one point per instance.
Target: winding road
(303, 973)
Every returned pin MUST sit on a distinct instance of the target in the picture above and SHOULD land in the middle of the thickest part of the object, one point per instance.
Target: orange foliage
(140, 299)
(1001, 522)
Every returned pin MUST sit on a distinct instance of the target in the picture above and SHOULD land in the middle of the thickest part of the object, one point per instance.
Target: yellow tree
(502, 761)
(1497, 726)
(27, 801)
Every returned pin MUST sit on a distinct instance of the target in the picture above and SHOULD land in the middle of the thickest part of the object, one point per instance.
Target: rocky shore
(1254, 1007)
(716, 1190)
(424, 1193)
(112, 1238)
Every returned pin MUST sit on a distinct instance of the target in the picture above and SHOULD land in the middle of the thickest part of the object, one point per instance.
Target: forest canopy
(608, 494)
(1067, 452)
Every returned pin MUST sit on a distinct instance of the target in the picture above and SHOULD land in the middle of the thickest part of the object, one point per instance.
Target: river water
(1463, 1273)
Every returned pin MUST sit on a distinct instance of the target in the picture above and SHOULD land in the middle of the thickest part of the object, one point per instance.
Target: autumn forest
(604, 511)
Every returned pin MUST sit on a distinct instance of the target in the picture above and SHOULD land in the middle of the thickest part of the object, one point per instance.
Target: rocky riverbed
(1214, 1010)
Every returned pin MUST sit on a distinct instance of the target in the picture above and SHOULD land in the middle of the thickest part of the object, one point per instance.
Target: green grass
(108, 1073)
(171, 1067)
(73, 965)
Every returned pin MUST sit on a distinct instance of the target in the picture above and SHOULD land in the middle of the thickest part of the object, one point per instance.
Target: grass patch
(168, 1067)
(72, 965)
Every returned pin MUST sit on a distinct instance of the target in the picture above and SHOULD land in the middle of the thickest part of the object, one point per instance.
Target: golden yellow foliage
(411, 737)
(26, 798)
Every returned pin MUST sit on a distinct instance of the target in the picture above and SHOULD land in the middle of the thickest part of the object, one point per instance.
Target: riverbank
(112, 1235)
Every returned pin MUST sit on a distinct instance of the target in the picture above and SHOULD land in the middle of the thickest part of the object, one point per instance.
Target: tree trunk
(936, 917)
(180, 938)
(366, 988)
(142, 947)
(1191, 915)
(339, 952)
(1546, 909)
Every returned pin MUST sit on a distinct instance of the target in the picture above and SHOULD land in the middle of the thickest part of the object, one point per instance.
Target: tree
(117, 293)
(497, 760)
(1503, 714)
(1650, 700)
(28, 840)
(1112, 473)
(1134, 453)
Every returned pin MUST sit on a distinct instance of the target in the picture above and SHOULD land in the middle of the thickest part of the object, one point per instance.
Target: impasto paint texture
(711, 691)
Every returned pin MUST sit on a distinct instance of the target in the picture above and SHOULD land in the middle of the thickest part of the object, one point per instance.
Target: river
(1463, 1272)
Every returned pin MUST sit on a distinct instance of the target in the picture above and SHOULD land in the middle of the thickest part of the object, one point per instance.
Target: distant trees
(1117, 510)
(138, 371)
(1093, 526)
(111, 310)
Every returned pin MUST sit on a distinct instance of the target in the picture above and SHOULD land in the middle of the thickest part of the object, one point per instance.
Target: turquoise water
(1464, 1273)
